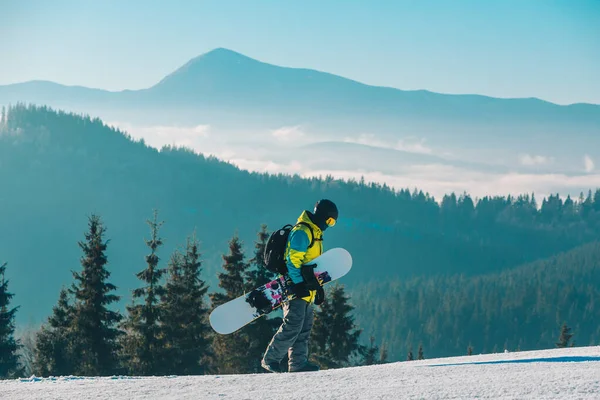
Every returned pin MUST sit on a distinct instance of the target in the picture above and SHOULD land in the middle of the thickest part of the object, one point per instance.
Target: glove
(300, 290)
(311, 282)
(310, 279)
(320, 296)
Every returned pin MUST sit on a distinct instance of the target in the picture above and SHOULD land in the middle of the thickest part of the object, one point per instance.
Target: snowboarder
(305, 243)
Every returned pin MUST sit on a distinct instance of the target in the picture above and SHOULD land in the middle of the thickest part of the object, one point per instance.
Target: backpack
(274, 254)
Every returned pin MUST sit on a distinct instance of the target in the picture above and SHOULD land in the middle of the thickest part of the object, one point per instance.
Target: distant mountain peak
(221, 54)
(217, 61)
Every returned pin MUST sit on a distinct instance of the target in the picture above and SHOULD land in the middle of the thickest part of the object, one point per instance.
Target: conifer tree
(9, 346)
(261, 331)
(383, 354)
(258, 275)
(334, 338)
(94, 332)
(53, 351)
(173, 312)
(596, 204)
(143, 343)
(565, 336)
(185, 315)
(231, 351)
(370, 356)
(410, 356)
(420, 353)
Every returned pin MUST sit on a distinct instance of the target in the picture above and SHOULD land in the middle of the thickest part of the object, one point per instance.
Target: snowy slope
(558, 373)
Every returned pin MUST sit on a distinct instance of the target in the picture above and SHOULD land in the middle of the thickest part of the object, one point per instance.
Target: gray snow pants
(292, 336)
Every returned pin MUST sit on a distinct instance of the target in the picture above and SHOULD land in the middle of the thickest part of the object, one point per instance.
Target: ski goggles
(330, 221)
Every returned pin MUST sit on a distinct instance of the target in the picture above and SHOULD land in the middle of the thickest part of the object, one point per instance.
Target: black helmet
(326, 213)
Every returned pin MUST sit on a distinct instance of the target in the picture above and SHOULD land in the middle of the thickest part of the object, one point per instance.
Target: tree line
(523, 308)
(165, 329)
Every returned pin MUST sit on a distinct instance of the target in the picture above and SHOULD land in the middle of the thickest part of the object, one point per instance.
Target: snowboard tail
(237, 313)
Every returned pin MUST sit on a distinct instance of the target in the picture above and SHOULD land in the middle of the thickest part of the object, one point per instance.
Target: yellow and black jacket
(299, 250)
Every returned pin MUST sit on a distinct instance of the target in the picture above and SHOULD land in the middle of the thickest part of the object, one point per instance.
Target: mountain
(57, 168)
(230, 90)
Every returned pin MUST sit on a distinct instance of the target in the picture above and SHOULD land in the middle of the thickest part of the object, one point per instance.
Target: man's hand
(320, 296)
(311, 282)
(310, 279)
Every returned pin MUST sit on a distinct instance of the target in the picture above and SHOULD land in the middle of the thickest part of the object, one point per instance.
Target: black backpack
(274, 255)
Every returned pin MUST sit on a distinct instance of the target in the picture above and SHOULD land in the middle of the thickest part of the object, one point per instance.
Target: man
(305, 243)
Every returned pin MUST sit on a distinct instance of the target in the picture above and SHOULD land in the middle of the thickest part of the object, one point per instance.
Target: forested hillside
(58, 168)
(519, 309)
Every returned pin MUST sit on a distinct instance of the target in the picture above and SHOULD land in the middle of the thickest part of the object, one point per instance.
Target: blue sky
(528, 48)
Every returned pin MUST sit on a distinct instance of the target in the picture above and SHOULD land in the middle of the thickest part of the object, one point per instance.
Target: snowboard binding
(258, 300)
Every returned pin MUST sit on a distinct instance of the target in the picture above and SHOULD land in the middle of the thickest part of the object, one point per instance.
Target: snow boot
(308, 367)
(273, 367)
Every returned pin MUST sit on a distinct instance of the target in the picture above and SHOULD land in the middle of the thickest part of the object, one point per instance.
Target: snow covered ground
(572, 373)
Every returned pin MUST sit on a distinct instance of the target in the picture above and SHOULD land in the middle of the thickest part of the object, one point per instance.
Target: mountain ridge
(224, 55)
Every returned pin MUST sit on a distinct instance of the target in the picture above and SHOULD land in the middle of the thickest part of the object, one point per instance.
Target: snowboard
(237, 313)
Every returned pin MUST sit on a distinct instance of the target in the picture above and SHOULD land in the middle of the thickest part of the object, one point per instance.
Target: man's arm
(299, 242)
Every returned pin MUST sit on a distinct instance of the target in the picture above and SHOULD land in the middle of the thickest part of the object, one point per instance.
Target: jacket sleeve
(299, 242)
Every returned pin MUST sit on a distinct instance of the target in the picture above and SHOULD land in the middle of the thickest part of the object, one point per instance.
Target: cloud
(414, 147)
(272, 155)
(588, 163)
(158, 136)
(288, 133)
(291, 168)
(411, 145)
(527, 159)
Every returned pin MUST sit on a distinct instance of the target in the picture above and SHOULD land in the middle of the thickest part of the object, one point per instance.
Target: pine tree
(410, 356)
(9, 346)
(565, 336)
(143, 344)
(261, 331)
(232, 280)
(173, 313)
(185, 316)
(334, 338)
(53, 346)
(231, 351)
(469, 350)
(370, 354)
(596, 203)
(258, 275)
(383, 354)
(420, 353)
(94, 334)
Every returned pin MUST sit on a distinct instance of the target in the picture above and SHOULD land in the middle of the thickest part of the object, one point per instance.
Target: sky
(537, 48)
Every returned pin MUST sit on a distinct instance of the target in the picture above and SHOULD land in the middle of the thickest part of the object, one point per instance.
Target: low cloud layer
(273, 152)
(158, 136)
(438, 180)
(289, 134)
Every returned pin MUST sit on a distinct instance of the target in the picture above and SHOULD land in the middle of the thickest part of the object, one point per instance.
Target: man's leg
(298, 352)
(293, 321)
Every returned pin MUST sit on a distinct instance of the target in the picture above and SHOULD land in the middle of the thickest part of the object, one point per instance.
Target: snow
(547, 374)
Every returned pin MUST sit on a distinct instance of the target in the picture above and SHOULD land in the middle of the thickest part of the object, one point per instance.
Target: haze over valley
(266, 118)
